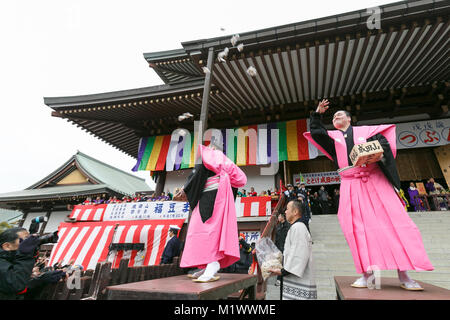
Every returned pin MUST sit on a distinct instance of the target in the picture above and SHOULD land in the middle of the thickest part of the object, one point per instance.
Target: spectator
(163, 197)
(306, 217)
(245, 260)
(18, 255)
(336, 199)
(98, 200)
(281, 231)
(263, 194)
(275, 194)
(305, 192)
(173, 246)
(323, 200)
(240, 193)
(87, 201)
(290, 193)
(252, 192)
(414, 198)
(115, 200)
(315, 204)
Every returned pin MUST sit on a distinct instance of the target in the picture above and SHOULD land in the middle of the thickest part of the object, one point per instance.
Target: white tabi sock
(210, 271)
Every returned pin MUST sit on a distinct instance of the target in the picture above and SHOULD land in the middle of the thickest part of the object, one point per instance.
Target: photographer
(18, 256)
(17, 259)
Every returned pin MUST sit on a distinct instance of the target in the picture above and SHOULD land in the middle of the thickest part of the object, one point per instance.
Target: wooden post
(160, 183)
(44, 224)
(24, 217)
(205, 98)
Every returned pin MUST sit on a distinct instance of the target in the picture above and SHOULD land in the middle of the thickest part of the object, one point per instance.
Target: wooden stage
(390, 290)
(183, 288)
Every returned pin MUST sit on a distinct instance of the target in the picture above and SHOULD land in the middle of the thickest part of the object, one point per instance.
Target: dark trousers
(324, 205)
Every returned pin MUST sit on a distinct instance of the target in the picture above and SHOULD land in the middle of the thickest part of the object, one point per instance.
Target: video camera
(34, 228)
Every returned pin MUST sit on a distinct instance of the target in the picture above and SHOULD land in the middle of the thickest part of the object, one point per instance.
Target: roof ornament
(206, 70)
(240, 47)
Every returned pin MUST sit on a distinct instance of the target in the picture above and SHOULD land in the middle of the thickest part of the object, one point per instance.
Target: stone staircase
(332, 256)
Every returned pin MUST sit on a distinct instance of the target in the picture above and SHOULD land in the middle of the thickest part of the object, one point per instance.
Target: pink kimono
(372, 217)
(217, 238)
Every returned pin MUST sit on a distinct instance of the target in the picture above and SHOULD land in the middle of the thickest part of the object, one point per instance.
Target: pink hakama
(217, 238)
(379, 232)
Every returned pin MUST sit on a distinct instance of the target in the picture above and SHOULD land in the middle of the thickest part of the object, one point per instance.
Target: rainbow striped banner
(260, 144)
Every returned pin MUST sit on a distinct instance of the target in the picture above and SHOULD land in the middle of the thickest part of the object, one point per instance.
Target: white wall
(176, 179)
(256, 180)
(52, 224)
(55, 219)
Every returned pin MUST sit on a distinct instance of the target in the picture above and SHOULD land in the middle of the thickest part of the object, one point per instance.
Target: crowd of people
(137, 198)
(432, 188)
(319, 202)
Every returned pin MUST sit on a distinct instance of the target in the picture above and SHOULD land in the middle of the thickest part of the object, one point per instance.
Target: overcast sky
(56, 48)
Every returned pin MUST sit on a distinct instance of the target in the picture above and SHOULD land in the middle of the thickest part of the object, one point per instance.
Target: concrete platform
(390, 290)
(183, 288)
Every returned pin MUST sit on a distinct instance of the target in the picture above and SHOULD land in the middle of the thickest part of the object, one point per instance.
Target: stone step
(332, 257)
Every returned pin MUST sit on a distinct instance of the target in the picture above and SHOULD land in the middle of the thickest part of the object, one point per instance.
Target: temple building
(397, 72)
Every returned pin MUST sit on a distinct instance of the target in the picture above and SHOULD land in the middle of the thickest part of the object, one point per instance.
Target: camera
(49, 238)
(34, 228)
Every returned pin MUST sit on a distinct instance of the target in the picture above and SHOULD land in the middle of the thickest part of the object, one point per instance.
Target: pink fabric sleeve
(219, 163)
(308, 137)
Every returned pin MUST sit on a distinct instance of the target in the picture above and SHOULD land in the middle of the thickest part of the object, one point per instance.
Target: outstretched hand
(180, 196)
(322, 106)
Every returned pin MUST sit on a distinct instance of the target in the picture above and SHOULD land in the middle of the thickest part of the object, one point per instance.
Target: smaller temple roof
(81, 175)
(54, 192)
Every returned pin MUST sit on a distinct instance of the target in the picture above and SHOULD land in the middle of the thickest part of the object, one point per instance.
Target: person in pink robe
(372, 217)
(212, 237)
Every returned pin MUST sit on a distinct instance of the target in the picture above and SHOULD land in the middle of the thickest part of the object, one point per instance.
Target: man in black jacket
(173, 246)
(17, 259)
(18, 254)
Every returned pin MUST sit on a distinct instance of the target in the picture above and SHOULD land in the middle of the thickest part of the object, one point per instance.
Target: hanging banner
(420, 134)
(162, 210)
(155, 210)
(253, 206)
(249, 145)
(318, 178)
(251, 236)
